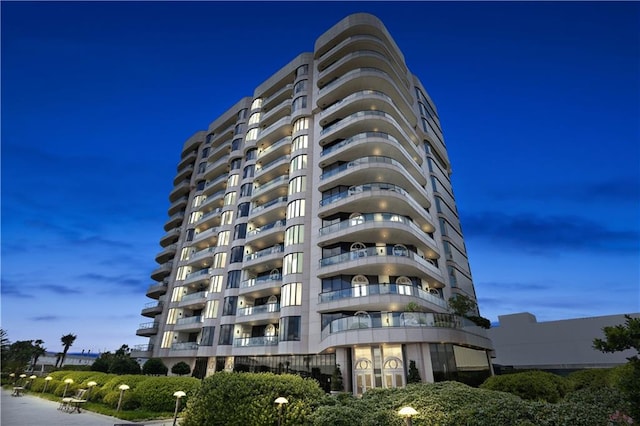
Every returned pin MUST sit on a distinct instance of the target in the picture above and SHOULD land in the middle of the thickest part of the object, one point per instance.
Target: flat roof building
(314, 224)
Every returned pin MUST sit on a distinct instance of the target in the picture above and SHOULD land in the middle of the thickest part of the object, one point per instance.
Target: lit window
(292, 263)
(220, 260)
(252, 134)
(226, 218)
(291, 294)
(257, 103)
(255, 118)
(295, 209)
(301, 124)
(301, 142)
(223, 238)
(167, 339)
(230, 198)
(211, 310)
(215, 286)
(197, 200)
(299, 162)
(232, 180)
(298, 184)
(294, 235)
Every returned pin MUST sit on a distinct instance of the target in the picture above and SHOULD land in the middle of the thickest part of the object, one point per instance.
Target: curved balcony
(260, 287)
(170, 237)
(215, 184)
(269, 210)
(216, 168)
(262, 190)
(262, 314)
(213, 200)
(210, 218)
(392, 261)
(279, 111)
(277, 97)
(209, 235)
(142, 351)
(180, 190)
(154, 291)
(183, 174)
(375, 195)
(152, 309)
(197, 277)
(369, 169)
(378, 297)
(266, 235)
(201, 258)
(167, 254)
(264, 259)
(393, 319)
(178, 205)
(162, 271)
(188, 324)
(187, 159)
(277, 130)
(174, 221)
(269, 153)
(193, 300)
(184, 346)
(378, 143)
(381, 227)
(277, 167)
(147, 329)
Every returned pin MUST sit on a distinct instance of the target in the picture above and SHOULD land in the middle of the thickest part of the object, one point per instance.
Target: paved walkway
(30, 410)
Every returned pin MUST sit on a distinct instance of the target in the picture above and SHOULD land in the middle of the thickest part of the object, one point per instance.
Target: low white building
(521, 342)
(47, 361)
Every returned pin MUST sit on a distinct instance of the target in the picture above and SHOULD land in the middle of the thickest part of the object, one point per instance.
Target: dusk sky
(539, 104)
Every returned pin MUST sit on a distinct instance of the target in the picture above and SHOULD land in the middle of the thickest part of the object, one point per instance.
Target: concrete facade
(314, 224)
(521, 342)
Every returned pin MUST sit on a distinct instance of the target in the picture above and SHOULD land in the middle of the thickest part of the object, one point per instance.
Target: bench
(17, 391)
(72, 404)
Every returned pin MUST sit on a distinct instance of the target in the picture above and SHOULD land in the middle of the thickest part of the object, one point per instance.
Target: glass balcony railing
(267, 279)
(272, 225)
(372, 217)
(194, 296)
(383, 186)
(360, 161)
(356, 116)
(274, 146)
(353, 96)
(262, 167)
(357, 137)
(148, 325)
(198, 273)
(255, 341)
(257, 189)
(399, 251)
(262, 309)
(268, 204)
(189, 320)
(184, 346)
(266, 252)
(394, 319)
(382, 288)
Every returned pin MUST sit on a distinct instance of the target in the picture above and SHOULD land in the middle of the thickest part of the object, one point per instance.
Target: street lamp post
(67, 382)
(280, 401)
(407, 412)
(46, 383)
(23, 377)
(31, 379)
(90, 384)
(178, 395)
(122, 389)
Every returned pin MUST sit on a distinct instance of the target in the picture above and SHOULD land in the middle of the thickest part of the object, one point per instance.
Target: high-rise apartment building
(314, 224)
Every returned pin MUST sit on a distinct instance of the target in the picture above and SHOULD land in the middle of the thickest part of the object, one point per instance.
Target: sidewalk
(30, 410)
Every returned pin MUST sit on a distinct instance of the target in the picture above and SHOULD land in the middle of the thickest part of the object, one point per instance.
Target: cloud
(60, 289)
(542, 235)
(11, 288)
(46, 318)
(127, 282)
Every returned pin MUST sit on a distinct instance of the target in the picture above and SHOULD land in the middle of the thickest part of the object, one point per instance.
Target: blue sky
(539, 102)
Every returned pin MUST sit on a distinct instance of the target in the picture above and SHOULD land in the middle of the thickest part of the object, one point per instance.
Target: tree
(119, 362)
(619, 338)
(38, 351)
(67, 341)
(4, 346)
(155, 366)
(336, 379)
(466, 307)
(181, 368)
(18, 356)
(414, 375)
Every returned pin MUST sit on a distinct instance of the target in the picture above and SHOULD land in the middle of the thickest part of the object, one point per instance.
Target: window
(209, 137)
(235, 163)
(202, 167)
(206, 337)
(236, 144)
(246, 190)
(249, 171)
(257, 103)
(238, 129)
(301, 142)
(243, 209)
(299, 103)
(182, 273)
(242, 114)
(294, 235)
(194, 217)
(292, 263)
(226, 217)
(211, 309)
(205, 152)
(167, 339)
(230, 198)
(197, 200)
(301, 124)
(215, 285)
(299, 162)
(252, 134)
(251, 154)
(290, 329)
(240, 231)
(233, 278)
(219, 260)
(236, 254)
(295, 209)
(190, 234)
(223, 238)
(229, 306)
(184, 254)
(255, 118)
(300, 86)
(298, 184)
(232, 180)
(291, 294)
(302, 70)
(226, 334)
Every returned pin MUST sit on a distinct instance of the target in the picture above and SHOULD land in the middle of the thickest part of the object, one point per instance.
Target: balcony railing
(394, 319)
(199, 273)
(270, 184)
(372, 217)
(184, 346)
(148, 325)
(357, 189)
(355, 116)
(265, 252)
(262, 167)
(357, 137)
(194, 296)
(272, 225)
(356, 95)
(267, 279)
(255, 341)
(284, 141)
(145, 347)
(357, 162)
(202, 253)
(376, 251)
(268, 204)
(261, 309)
(382, 288)
(189, 320)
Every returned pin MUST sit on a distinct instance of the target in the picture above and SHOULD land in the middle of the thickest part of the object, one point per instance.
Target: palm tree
(67, 340)
(38, 351)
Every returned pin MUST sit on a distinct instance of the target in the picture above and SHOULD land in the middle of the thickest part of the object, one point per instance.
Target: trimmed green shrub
(155, 366)
(532, 385)
(156, 393)
(129, 401)
(591, 378)
(181, 368)
(239, 399)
